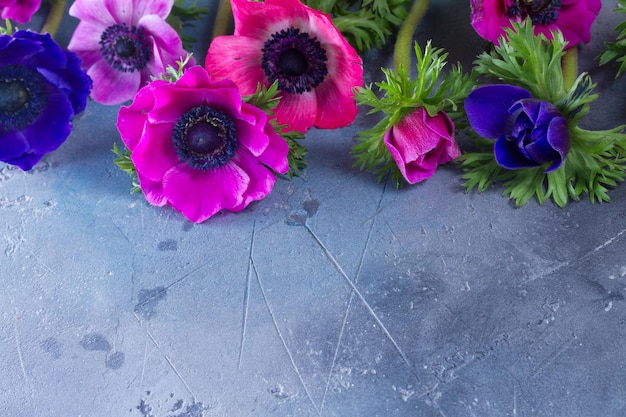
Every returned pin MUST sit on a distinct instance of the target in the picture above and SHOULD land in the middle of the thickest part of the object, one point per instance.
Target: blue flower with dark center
(42, 87)
(528, 132)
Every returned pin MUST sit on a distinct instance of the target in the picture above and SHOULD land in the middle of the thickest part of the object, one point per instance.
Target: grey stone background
(334, 296)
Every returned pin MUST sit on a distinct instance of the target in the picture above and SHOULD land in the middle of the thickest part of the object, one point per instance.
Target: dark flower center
(296, 60)
(22, 96)
(205, 138)
(125, 49)
(541, 12)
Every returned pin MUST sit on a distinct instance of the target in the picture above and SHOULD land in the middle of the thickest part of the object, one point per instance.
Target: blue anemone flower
(42, 87)
(528, 132)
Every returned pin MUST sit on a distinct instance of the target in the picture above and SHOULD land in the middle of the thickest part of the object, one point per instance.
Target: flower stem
(222, 18)
(55, 15)
(402, 48)
(570, 67)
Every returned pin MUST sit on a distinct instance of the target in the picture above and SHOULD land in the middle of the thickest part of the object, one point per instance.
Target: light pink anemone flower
(122, 43)
(19, 10)
(197, 147)
(572, 17)
(419, 143)
(288, 42)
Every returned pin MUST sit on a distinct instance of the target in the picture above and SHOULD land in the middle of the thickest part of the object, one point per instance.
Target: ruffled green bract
(596, 161)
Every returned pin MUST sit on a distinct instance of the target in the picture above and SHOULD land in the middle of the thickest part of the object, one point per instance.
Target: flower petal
(111, 86)
(95, 12)
(200, 194)
(154, 154)
(297, 111)
(261, 180)
(488, 107)
(225, 51)
(509, 156)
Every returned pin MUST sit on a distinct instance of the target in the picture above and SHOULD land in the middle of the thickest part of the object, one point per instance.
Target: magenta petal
(255, 18)
(94, 12)
(152, 191)
(131, 119)
(275, 155)
(335, 108)
(154, 155)
(20, 11)
(198, 195)
(261, 180)
(297, 111)
(225, 51)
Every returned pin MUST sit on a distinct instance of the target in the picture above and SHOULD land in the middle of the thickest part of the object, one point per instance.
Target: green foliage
(124, 163)
(596, 161)
(433, 90)
(8, 29)
(617, 50)
(364, 23)
(172, 74)
(183, 15)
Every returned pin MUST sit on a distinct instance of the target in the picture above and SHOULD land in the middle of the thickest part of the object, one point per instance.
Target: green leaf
(616, 51)
(125, 163)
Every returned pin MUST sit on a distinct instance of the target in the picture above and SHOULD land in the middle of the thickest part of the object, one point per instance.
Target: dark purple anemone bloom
(528, 132)
(41, 88)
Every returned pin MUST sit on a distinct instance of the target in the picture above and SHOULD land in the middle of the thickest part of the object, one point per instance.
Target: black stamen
(205, 138)
(125, 49)
(22, 96)
(541, 12)
(296, 60)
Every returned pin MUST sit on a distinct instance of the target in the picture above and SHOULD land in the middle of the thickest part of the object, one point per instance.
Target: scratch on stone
(167, 359)
(610, 241)
(246, 298)
(345, 315)
(19, 350)
(282, 338)
(356, 291)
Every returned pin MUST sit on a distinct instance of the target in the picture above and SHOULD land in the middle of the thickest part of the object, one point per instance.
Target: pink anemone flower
(288, 42)
(572, 17)
(419, 143)
(198, 147)
(19, 10)
(122, 43)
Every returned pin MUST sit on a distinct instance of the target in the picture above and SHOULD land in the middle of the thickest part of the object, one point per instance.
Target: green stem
(55, 15)
(403, 47)
(570, 67)
(222, 18)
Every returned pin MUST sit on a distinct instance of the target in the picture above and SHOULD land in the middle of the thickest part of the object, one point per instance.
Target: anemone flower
(197, 147)
(122, 43)
(528, 132)
(42, 87)
(300, 48)
(419, 143)
(572, 17)
(18, 10)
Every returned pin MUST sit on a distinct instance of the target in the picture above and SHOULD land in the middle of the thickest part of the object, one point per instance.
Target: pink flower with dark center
(572, 17)
(122, 43)
(419, 143)
(18, 10)
(300, 48)
(197, 147)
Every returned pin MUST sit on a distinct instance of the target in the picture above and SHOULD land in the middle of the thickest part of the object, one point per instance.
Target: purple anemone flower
(572, 17)
(42, 87)
(123, 43)
(528, 132)
(198, 147)
(18, 10)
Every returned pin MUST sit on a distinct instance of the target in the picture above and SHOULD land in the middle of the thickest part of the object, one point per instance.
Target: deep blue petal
(53, 125)
(488, 107)
(14, 144)
(559, 138)
(509, 156)
(17, 51)
(25, 161)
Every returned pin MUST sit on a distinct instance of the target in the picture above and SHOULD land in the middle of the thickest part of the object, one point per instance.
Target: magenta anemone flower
(300, 48)
(419, 143)
(572, 17)
(122, 43)
(197, 147)
(18, 10)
